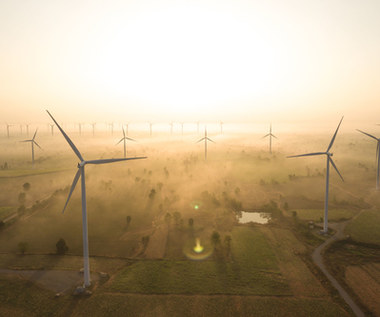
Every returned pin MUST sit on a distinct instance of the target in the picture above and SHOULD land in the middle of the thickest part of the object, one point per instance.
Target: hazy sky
(190, 60)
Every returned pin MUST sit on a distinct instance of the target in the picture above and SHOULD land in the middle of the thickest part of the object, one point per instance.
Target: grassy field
(366, 227)
(5, 212)
(254, 270)
(316, 214)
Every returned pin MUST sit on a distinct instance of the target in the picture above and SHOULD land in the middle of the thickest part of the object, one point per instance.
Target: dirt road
(318, 260)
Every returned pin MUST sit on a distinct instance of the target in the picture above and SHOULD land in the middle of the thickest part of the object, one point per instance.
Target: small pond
(256, 217)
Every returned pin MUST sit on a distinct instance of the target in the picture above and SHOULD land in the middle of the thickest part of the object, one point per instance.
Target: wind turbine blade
(130, 139)
(76, 151)
(210, 140)
(333, 138)
(370, 135)
(123, 131)
(34, 134)
(105, 161)
(27, 141)
(120, 141)
(308, 154)
(36, 144)
(266, 135)
(200, 140)
(378, 149)
(333, 164)
(75, 181)
(274, 136)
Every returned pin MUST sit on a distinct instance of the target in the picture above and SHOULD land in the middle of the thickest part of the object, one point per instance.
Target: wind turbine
(8, 126)
(150, 128)
(93, 128)
(80, 128)
(182, 128)
(329, 160)
(221, 127)
(27, 129)
(270, 138)
(205, 138)
(111, 126)
(33, 142)
(125, 138)
(80, 173)
(377, 156)
(52, 129)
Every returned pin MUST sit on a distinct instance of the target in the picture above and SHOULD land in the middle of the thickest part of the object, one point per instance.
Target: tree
(177, 218)
(168, 218)
(152, 194)
(145, 241)
(227, 244)
(129, 219)
(215, 239)
(26, 186)
(23, 247)
(62, 248)
(21, 198)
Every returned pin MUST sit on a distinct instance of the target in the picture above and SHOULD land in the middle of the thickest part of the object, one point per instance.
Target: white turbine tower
(329, 160)
(8, 126)
(93, 128)
(32, 141)
(205, 138)
(125, 138)
(270, 138)
(80, 173)
(377, 156)
(52, 129)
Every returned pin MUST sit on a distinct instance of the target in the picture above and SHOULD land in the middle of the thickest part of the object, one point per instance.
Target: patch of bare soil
(365, 282)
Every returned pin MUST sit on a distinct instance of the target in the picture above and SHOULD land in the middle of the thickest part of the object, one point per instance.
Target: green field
(253, 270)
(316, 214)
(366, 227)
(6, 212)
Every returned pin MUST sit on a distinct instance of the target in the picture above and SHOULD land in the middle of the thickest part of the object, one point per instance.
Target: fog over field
(225, 156)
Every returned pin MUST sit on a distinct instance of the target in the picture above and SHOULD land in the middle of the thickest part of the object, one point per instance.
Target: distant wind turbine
(221, 127)
(80, 173)
(80, 128)
(125, 138)
(93, 128)
(198, 127)
(377, 156)
(270, 138)
(32, 141)
(171, 128)
(8, 126)
(329, 160)
(111, 126)
(52, 129)
(27, 129)
(182, 128)
(205, 138)
(150, 128)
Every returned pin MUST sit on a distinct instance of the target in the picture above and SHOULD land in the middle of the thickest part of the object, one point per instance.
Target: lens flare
(198, 248)
(198, 252)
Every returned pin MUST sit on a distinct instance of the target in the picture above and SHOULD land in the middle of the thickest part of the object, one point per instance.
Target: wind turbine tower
(32, 141)
(270, 138)
(81, 174)
(125, 138)
(205, 138)
(329, 160)
(93, 128)
(377, 156)
(52, 129)
(8, 126)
